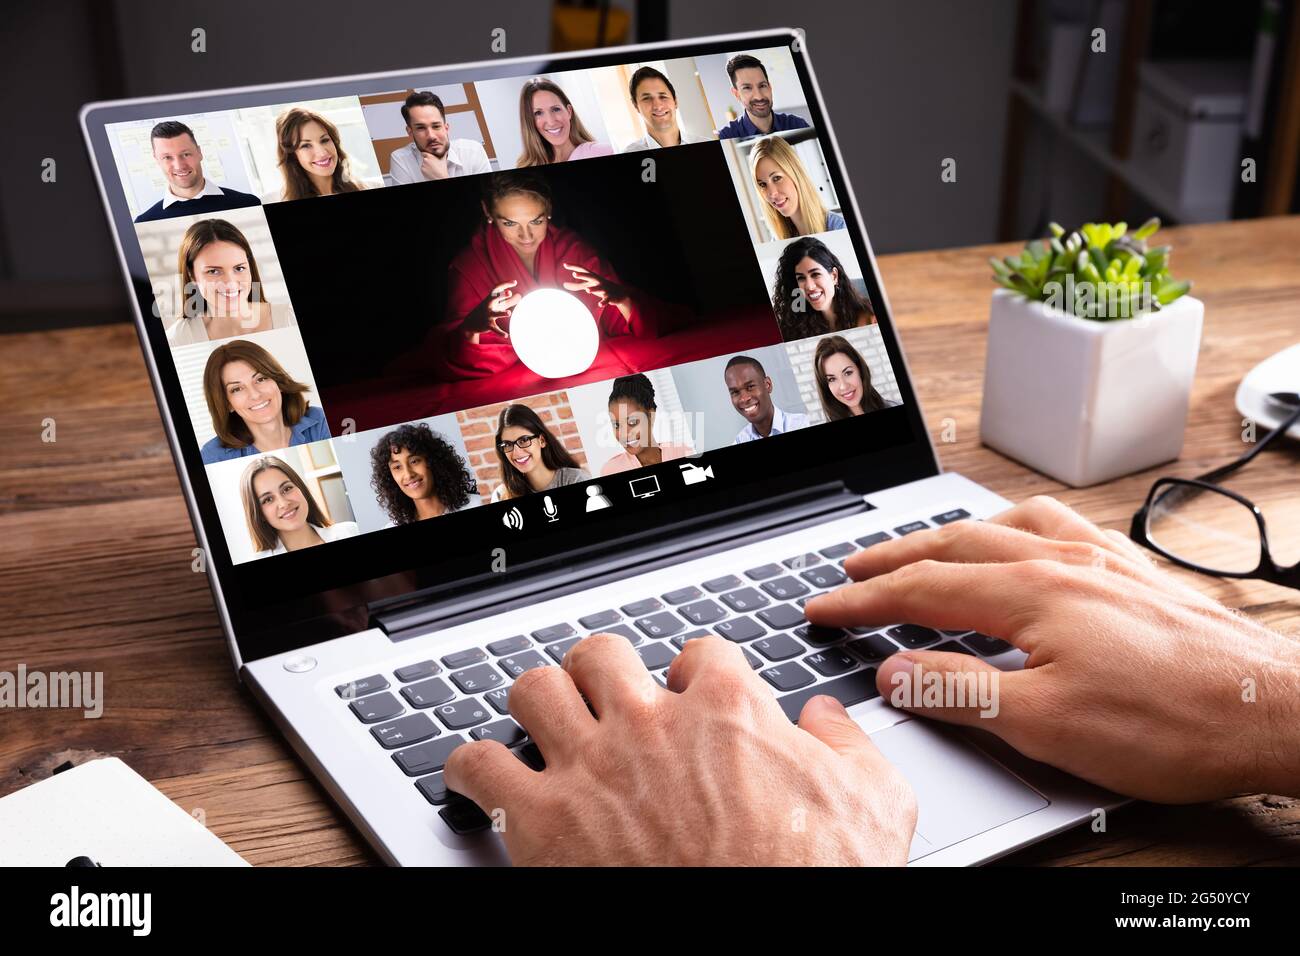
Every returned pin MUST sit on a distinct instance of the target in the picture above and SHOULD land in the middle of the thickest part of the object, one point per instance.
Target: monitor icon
(644, 487)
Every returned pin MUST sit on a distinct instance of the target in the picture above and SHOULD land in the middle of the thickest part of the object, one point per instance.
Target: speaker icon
(513, 519)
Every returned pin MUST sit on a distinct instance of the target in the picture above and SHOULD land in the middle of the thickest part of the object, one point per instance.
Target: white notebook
(104, 810)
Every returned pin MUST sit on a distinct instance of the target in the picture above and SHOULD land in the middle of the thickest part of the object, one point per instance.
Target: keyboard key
(622, 630)
(594, 622)
(682, 595)
(702, 612)
(950, 516)
(428, 693)
(725, 583)
(763, 571)
(988, 646)
(660, 625)
(953, 647)
(464, 658)
(532, 756)
(656, 655)
(745, 599)
(516, 664)
(826, 576)
(435, 790)
(376, 707)
(871, 539)
(754, 661)
(911, 526)
(740, 629)
(499, 699)
(460, 714)
(785, 588)
(506, 731)
(680, 640)
(427, 757)
(361, 686)
(417, 671)
(801, 561)
(820, 636)
(831, 663)
(641, 608)
(464, 817)
(850, 689)
(912, 635)
(781, 617)
(557, 651)
(787, 677)
(405, 731)
(556, 632)
(778, 647)
(873, 647)
(510, 645)
(477, 679)
(835, 551)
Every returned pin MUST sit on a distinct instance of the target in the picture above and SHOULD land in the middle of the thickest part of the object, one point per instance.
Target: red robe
(486, 263)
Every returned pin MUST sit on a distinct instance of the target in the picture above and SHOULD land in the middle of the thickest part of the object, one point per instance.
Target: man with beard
(749, 85)
(432, 153)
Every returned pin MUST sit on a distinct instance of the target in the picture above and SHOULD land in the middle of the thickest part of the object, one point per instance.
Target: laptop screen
(426, 329)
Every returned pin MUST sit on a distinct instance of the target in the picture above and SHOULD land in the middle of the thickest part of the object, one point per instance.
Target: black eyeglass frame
(1267, 569)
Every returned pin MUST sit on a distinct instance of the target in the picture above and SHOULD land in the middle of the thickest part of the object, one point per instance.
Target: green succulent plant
(1100, 271)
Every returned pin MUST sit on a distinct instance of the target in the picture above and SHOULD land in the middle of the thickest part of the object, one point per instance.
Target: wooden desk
(95, 557)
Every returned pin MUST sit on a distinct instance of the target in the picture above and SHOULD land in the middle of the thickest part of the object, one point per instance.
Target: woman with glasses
(531, 457)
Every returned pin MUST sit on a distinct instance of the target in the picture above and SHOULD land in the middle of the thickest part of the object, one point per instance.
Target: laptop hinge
(629, 556)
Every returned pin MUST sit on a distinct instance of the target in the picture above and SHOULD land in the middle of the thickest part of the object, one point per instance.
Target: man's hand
(1134, 681)
(431, 167)
(709, 773)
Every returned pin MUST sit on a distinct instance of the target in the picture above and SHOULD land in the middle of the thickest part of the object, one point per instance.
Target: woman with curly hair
(417, 474)
(813, 293)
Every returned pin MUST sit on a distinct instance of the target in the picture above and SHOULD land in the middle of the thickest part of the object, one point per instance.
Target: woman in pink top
(632, 416)
(550, 128)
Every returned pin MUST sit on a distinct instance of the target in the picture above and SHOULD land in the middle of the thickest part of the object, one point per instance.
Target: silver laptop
(462, 364)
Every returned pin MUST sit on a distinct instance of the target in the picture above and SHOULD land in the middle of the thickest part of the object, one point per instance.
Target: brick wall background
(866, 340)
(478, 426)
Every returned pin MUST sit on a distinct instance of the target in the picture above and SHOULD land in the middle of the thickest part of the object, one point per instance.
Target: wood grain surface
(95, 556)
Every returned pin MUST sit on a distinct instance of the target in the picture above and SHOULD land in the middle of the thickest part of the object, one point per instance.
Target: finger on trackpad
(959, 790)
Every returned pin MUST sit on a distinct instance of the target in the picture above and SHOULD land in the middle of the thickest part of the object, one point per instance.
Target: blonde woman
(791, 204)
(311, 157)
(221, 288)
(281, 513)
(550, 128)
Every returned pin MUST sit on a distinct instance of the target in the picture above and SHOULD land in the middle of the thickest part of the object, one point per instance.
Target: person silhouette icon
(596, 499)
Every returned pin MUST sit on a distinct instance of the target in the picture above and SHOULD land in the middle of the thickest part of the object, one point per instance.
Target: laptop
(462, 364)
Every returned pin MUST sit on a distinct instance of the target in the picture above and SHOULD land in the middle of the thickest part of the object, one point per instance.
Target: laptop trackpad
(959, 791)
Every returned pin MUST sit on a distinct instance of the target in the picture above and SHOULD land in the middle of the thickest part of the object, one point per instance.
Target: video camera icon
(694, 474)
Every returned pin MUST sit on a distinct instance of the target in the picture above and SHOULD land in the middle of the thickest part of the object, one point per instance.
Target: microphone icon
(549, 509)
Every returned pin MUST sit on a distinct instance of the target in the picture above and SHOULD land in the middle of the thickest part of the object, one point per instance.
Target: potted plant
(1091, 354)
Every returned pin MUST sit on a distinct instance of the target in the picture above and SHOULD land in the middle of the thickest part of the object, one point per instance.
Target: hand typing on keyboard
(707, 772)
(1134, 681)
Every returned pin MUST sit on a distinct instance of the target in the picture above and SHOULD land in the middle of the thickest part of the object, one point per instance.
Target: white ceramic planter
(1084, 401)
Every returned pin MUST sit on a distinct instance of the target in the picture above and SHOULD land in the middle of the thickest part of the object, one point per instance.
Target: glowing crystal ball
(553, 333)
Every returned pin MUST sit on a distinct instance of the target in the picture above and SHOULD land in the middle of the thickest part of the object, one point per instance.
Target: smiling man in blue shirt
(750, 86)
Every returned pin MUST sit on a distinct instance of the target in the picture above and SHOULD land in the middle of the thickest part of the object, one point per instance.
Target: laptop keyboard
(423, 711)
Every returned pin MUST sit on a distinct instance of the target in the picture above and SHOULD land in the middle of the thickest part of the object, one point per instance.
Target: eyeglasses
(1196, 523)
(523, 441)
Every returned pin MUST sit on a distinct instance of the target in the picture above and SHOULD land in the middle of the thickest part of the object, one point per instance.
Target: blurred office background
(1042, 125)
